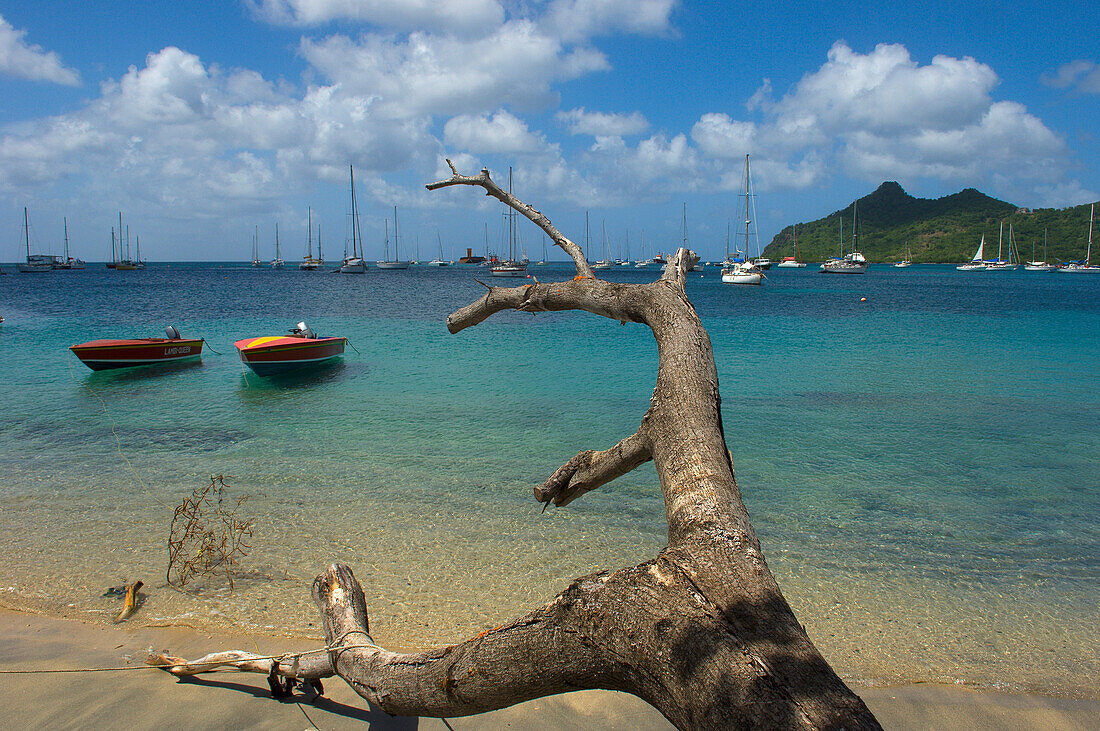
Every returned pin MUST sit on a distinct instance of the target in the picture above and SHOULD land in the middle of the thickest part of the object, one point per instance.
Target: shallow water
(920, 467)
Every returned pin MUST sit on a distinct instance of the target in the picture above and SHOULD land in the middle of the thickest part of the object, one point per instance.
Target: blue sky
(202, 120)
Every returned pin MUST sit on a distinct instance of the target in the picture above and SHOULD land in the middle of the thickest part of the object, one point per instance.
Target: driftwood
(701, 631)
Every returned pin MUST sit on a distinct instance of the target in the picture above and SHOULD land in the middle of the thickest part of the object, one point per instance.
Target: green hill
(946, 229)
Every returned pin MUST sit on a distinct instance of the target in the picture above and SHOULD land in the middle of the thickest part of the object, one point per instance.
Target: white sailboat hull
(509, 270)
(843, 267)
(392, 264)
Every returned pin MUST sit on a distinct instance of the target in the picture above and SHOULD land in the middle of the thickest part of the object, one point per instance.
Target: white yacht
(743, 271)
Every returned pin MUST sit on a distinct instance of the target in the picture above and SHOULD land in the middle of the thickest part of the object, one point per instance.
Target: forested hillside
(946, 229)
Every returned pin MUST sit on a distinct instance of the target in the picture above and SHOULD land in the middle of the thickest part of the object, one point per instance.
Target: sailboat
(396, 263)
(36, 263)
(66, 261)
(542, 262)
(976, 263)
(310, 264)
(277, 262)
(999, 264)
(256, 248)
(113, 263)
(907, 261)
(851, 263)
(439, 261)
(744, 271)
(1039, 266)
(1077, 266)
(354, 264)
(124, 263)
(138, 263)
(605, 262)
(511, 267)
(792, 262)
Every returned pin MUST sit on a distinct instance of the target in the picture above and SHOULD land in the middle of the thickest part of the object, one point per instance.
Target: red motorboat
(101, 355)
(273, 354)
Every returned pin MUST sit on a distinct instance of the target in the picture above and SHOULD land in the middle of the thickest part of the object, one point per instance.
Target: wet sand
(150, 698)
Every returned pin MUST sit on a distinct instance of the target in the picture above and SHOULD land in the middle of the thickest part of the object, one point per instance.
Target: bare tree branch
(483, 180)
(589, 470)
(702, 631)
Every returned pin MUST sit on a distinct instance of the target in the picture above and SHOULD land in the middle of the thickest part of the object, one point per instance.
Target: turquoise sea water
(921, 467)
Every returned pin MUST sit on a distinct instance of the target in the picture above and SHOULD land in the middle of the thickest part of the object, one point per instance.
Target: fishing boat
(354, 264)
(907, 261)
(396, 263)
(35, 263)
(66, 261)
(309, 263)
(792, 262)
(510, 267)
(1039, 266)
(1082, 267)
(851, 263)
(274, 354)
(277, 262)
(256, 248)
(740, 269)
(100, 355)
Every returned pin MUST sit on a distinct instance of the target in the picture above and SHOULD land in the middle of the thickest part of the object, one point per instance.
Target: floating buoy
(862, 299)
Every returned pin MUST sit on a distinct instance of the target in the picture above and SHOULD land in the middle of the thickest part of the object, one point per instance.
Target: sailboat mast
(396, 255)
(356, 235)
(276, 240)
(309, 229)
(65, 221)
(585, 234)
(511, 223)
(27, 233)
(113, 259)
(1088, 252)
(854, 224)
(747, 219)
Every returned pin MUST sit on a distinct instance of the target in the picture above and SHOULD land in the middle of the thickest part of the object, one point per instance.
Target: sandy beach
(150, 698)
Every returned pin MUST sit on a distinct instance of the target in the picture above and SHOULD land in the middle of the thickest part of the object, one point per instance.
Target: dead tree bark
(701, 631)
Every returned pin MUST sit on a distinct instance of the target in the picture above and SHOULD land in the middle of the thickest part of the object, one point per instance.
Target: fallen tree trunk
(701, 632)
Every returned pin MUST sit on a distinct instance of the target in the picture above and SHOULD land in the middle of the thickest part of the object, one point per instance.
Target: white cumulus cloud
(26, 61)
(501, 133)
(579, 121)
(1082, 75)
(430, 74)
(463, 17)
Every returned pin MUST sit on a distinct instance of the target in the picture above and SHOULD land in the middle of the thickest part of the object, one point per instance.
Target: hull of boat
(843, 268)
(101, 355)
(354, 267)
(1079, 269)
(268, 356)
(741, 277)
(393, 264)
(791, 265)
(509, 270)
(34, 268)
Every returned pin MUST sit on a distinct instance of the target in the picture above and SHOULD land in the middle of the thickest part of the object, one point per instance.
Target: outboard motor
(304, 331)
(172, 332)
